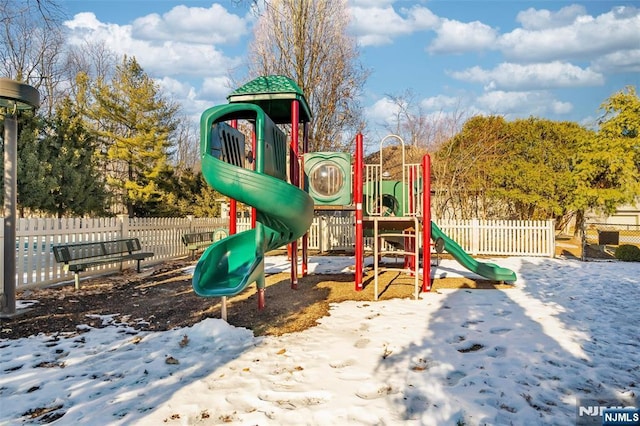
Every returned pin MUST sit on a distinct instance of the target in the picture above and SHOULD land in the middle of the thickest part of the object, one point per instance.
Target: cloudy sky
(551, 59)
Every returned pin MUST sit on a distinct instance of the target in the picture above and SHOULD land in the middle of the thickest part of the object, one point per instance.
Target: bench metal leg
(76, 279)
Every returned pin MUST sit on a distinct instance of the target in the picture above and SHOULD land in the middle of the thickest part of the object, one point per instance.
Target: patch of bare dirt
(161, 298)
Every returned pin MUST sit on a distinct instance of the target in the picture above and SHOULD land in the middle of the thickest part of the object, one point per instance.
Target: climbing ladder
(394, 213)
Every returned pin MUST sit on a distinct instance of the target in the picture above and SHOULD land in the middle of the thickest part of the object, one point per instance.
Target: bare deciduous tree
(186, 152)
(31, 47)
(460, 168)
(93, 60)
(414, 125)
(307, 40)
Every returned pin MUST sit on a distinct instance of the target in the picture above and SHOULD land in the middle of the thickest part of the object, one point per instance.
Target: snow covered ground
(522, 356)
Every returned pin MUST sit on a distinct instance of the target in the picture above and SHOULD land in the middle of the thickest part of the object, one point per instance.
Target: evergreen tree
(206, 199)
(135, 124)
(34, 177)
(535, 176)
(609, 165)
(78, 187)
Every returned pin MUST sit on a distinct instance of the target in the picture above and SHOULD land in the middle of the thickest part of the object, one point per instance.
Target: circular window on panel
(326, 179)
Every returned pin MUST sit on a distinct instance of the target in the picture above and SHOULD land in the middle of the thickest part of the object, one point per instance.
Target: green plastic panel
(394, 194)
(271, 149)
(328, 178)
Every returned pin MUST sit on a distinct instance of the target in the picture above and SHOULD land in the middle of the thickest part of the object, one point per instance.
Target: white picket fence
(477, 237)
(503, 237)
(36, 266)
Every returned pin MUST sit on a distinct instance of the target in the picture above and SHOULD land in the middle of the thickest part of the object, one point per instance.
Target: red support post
(254, 213)
(426, 223)
(357, 199)
(295, 180)
(261, 298)
(233, 204)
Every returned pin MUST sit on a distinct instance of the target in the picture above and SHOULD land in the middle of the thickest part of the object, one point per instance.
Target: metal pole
(14, 96)
(10, 213)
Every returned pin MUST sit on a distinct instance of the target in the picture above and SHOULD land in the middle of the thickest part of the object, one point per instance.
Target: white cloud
(440, 103)
(620, 61)
(379, 25)
(85, 21)
(522, 104)
(191, 25)
(185, 59)
(384, 111)
(533, 19)
(560, 108)
(193, 101)
(459, 37)
(586, 37)
(375, 26)
(176, 88)
(421, 18)
(371, 3)
(216, 87)
(510, 76)
(158, 58)
(85, 26)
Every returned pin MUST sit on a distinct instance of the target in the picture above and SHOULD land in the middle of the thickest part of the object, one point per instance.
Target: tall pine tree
(79, 187)
(134, 123)
(34, 176)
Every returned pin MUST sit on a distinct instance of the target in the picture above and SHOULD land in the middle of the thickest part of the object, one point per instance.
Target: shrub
(628, 253)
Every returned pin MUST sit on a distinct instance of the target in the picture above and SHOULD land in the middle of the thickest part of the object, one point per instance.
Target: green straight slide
(486, 270)
(284, 214)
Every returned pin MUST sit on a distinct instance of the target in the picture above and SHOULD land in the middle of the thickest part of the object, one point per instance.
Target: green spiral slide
(284, 214)
(486, 270)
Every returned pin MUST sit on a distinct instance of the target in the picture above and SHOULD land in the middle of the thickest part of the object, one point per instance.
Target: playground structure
(284, 184)
(282, 211)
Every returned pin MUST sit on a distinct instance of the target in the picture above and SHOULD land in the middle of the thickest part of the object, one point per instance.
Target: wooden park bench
(78, 257)
(200, 240)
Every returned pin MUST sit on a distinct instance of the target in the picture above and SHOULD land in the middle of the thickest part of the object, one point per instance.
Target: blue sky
(551, 59)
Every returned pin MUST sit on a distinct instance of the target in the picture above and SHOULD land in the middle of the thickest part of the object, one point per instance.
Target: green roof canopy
(273, 93)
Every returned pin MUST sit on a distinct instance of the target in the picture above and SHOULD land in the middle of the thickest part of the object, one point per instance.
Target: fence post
(323, 234)
(190, 219)
(475, 236)
(124, 225)
(583, 230)
(551, 236)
